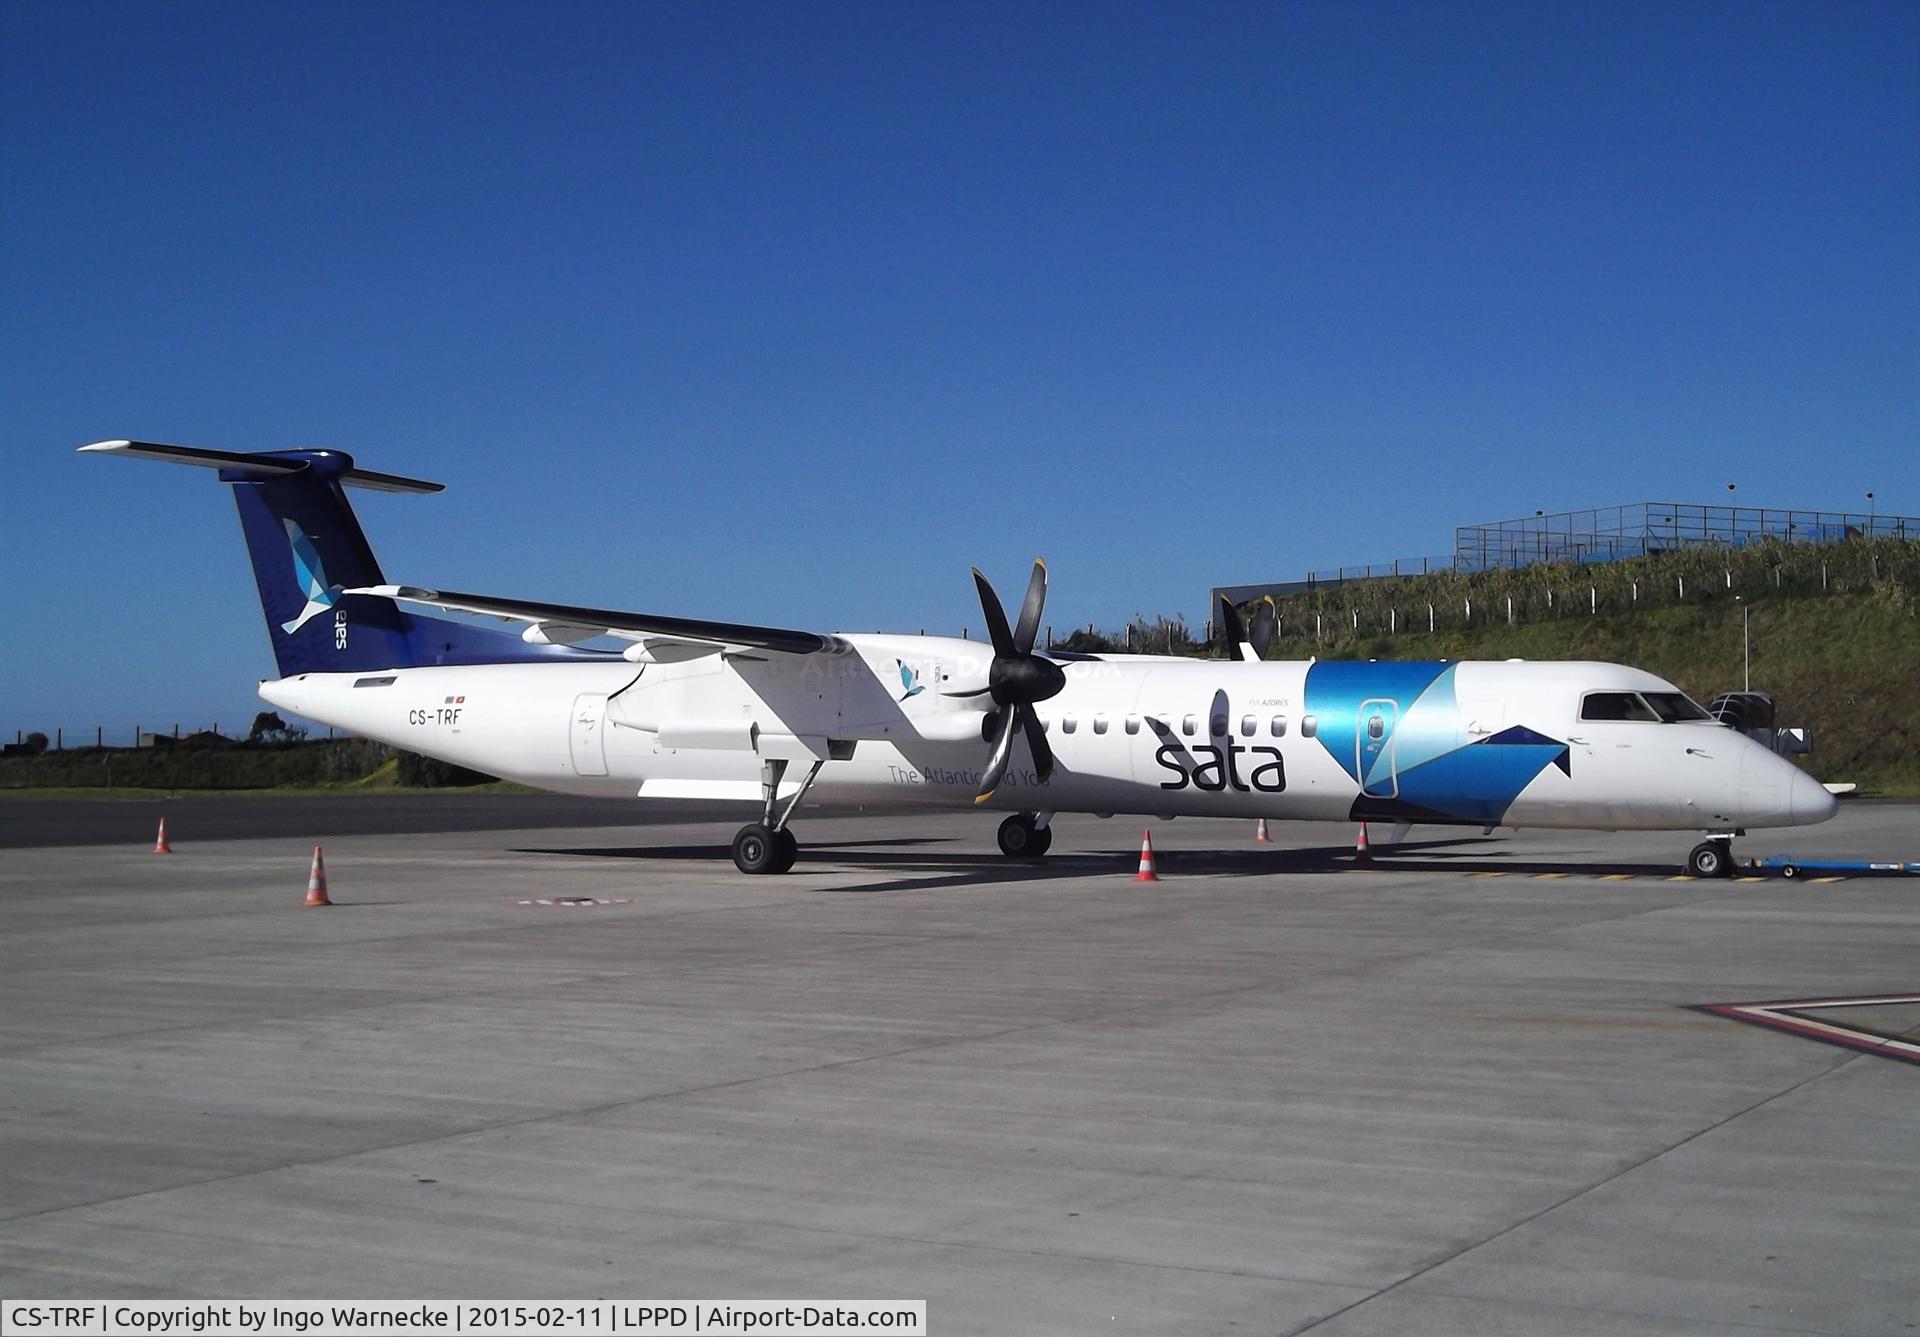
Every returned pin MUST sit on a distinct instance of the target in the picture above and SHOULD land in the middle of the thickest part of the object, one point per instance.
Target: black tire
(789, 850)
(1020, 840)
(1042, 842)
(1791, 870)
(1710, 858)
(756, 850)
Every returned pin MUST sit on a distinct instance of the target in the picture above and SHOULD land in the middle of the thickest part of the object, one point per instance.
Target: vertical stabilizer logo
(312, 577)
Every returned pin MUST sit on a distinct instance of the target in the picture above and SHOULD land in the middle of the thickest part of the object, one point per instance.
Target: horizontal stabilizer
(628, 626)
(261, 466)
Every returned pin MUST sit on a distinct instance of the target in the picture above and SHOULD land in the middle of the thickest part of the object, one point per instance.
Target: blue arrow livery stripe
(1423, 770)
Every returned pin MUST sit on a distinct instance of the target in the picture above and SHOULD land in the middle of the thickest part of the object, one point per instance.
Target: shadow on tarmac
(953, 868)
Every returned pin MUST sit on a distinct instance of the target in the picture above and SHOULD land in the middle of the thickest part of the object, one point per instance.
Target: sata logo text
(1218, 768)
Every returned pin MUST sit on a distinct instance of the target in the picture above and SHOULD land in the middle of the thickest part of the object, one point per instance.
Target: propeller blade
(1232, 630)
(1266, 620)
(1002, 753)
(996, 616)
(1029, 624)
(1037, 744)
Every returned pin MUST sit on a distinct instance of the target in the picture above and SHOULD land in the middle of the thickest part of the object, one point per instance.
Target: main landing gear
(767, 846)
(1026, 835)
(1713, 857)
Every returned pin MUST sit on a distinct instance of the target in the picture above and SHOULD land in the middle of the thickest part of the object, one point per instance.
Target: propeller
(1017, 680)
(1265, 619)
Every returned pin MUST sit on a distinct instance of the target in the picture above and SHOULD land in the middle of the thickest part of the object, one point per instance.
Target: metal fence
(1610, 533)
(1605, 534)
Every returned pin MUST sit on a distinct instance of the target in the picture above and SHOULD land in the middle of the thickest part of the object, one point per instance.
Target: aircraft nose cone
(1810, 800)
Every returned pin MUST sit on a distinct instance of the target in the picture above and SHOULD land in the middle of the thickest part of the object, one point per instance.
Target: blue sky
(790, 313)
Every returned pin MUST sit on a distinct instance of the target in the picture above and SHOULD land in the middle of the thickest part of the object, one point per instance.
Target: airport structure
(1602, 534)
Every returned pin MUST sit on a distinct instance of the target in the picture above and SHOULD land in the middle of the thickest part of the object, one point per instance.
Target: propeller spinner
(1017, 680)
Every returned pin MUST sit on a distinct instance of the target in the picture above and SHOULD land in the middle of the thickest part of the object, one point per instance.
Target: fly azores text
(1216, 769)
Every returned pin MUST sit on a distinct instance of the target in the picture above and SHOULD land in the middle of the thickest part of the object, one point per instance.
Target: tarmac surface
(27, 819)
(1462, 1090)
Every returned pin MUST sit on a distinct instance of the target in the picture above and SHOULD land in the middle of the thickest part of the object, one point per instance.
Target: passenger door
(1373, 747)
(587, 734)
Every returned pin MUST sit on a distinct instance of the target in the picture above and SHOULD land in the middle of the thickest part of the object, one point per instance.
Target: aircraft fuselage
(1469, 743)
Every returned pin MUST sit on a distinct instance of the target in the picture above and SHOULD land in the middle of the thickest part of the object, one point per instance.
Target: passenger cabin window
(1099, 723)
(1248, 725)
(1278, 726)
(1068, 723)
(1376, 727)
(1190, 725)
(1133, 724)
(1218, 725)
(1309, 725)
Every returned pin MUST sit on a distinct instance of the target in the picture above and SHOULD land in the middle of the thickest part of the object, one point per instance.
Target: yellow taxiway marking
(1502, 874)
(1749, 879)
(1681, 877)
(1615, 877)
(1550, 875)
(1827, 879)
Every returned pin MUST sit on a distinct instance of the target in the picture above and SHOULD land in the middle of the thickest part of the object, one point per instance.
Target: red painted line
(1765, 1014)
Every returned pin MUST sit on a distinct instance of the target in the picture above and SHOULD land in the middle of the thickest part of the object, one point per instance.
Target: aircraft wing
(567, 624)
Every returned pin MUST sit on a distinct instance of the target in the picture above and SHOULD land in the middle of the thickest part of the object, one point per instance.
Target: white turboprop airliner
(717, 710)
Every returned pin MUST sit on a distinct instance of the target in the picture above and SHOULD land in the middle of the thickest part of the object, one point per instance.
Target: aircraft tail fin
(308, 549)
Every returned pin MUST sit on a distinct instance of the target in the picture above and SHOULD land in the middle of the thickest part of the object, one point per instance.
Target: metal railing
(1612, 533)
(1608, 534)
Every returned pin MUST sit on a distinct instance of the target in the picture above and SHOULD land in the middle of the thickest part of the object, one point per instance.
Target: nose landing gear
(1712, 857)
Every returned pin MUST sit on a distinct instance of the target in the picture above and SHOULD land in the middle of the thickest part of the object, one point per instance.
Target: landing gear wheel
(788, 850)
(756, 850)
(1711, 858)
(1791, 870)
(1021, 839)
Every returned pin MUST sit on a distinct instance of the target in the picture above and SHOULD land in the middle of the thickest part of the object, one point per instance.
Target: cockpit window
(1675, 707)
(1616, 706)
(1642, 707)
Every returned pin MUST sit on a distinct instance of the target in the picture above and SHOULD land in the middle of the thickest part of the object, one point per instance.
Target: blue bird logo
(909, 679)
(312, 576)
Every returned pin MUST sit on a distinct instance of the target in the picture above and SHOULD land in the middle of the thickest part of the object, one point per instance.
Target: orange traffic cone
(1361, 854)
(1260, 836)
(160, 845)
(317, 881)
(1146, 873)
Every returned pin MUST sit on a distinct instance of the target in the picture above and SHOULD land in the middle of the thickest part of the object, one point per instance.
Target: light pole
(1746, 646)
(1871, 516)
